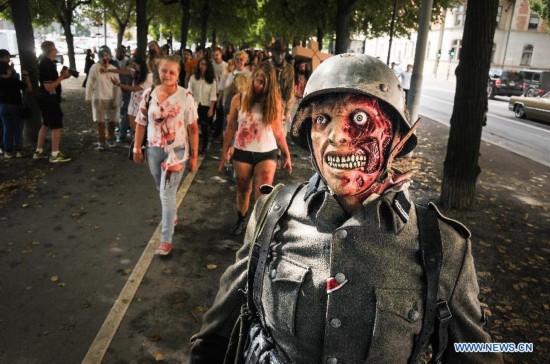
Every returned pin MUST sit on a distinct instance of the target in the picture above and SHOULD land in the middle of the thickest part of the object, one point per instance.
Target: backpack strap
(275, 207)
(437, 314)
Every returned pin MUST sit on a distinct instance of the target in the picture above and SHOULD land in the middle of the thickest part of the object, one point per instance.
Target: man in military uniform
(348, 276)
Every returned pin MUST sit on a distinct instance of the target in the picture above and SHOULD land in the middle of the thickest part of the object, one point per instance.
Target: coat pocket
(399, 315)
(282, 285)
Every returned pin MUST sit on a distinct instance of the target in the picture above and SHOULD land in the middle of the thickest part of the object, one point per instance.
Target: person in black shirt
(10, 99)
(49, 100)
(89, 62)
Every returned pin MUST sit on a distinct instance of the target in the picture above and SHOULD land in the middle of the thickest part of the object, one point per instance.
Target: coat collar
(391, 210)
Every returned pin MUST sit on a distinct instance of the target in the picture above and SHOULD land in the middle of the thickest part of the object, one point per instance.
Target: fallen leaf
(200, 309)
(54, 278)
(159, 356)
(155, 337)
(211, 266)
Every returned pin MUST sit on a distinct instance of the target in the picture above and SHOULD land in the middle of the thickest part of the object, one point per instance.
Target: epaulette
(457, 225)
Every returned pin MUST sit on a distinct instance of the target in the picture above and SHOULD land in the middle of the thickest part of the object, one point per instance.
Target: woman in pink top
(255, 122)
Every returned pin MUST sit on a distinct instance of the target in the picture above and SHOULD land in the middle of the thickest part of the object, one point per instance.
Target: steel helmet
(359, 74)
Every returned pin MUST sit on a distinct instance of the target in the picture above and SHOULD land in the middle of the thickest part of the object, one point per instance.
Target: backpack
(437, 314)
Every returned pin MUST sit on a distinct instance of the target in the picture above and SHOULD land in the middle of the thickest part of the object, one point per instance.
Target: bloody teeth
(352, 161)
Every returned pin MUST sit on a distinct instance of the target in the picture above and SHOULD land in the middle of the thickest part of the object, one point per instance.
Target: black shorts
(253, 157)
(52, 116)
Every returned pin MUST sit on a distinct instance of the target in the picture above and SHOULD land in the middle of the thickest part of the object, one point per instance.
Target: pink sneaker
(163, 249)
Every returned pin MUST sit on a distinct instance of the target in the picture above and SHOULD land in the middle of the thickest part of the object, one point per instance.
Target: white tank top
(252, 135)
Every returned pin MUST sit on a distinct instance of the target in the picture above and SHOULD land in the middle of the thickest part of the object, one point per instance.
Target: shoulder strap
(437, 313)
(274, 208)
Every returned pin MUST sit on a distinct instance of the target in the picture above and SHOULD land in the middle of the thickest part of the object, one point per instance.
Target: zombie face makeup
(278, 57)
(259, 83)
(105, 57)
(350, 137)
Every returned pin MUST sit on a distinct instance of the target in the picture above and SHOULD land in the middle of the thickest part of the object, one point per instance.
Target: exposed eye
(360, 118)
(321, 119)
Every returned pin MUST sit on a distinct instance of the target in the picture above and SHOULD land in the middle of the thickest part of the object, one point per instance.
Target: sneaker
(111, 144)
(19, 154)
(163, 249)
(39, 155)
(100, 147)
(60, 158)
(7, 155)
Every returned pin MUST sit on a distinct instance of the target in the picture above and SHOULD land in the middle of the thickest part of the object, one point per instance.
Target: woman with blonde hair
(168, 114)
(254, 122)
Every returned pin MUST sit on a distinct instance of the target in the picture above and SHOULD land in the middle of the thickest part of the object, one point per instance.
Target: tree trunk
(204, 22)
(120, 34)
(320, 36)
(461, 169)
(343, 12)
(214, 38)
(141, 23)
(66, 20)
(185, 21)
(25, 42)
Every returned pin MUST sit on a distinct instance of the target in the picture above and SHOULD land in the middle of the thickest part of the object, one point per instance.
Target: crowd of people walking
(167, 102)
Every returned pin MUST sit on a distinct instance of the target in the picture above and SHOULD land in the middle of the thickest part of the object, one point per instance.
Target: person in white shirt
(219, 68)
(104, 98)
(168, 115)
(204, 89)
(406, 81)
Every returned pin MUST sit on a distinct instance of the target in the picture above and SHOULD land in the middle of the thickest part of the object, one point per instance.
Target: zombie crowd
(343, 268)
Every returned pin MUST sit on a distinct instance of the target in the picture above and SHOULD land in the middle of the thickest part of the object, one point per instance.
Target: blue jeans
(167, 188)
(13, 127)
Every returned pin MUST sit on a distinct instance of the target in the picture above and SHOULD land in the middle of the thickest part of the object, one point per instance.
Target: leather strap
(274, 209)
(432, 256)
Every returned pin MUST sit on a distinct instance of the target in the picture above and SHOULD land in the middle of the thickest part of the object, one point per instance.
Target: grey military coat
(342, 289)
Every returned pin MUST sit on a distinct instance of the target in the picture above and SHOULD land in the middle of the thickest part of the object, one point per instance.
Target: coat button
(340, 277)
(341, 234)
(335, 323)
(273, 273)
(413, 315)
(332, 361)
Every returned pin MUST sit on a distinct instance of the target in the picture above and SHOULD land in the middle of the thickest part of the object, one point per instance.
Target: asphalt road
(527, 138)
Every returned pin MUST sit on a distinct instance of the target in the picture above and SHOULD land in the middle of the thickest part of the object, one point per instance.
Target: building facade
(521, 41)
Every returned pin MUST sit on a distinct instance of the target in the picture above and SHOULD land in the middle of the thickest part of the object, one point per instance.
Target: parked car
(535, 82)
(531, 107)
(503, 82)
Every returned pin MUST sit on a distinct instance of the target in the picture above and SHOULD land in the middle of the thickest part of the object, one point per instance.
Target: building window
(493, 51)
(534, 21)
(527, 55)
(456, 46)
(460, 15)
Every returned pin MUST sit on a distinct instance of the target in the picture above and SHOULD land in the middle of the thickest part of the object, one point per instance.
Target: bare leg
(42, 137)
(264, 172)
(244, 173)
(56, 139)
